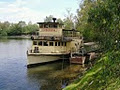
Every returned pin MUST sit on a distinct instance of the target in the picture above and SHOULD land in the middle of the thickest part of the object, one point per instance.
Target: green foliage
(105, 17)
(4, 28)
(82, 20)
(15, 29)
(49, 18)
(59, 20)
(69, 20)
(3, 33)
(31, 29)
(99, 21)
(19, 28)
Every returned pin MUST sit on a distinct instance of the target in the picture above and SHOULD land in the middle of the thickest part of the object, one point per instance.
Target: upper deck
(54, 29)
(50, 28)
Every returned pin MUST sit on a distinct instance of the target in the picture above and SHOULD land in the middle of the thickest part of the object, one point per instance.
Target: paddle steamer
(52, 43)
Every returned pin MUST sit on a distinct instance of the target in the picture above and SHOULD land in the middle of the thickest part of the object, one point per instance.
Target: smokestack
(54, 19)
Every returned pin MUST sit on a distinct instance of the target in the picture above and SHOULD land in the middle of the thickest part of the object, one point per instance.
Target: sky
(35, 10)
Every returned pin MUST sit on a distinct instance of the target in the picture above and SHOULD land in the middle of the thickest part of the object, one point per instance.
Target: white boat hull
(37, 59)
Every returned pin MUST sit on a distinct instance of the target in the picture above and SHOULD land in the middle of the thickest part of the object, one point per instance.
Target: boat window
(55, 43)
(37, 33)
(36, 48)
(34, 42)
(58, 43)
(41, 25)
(55, 26)
(51, 26)
(62, 43)
(51, 43)
(40, 43)
(45, 44)
(46, 26)
(65, 44)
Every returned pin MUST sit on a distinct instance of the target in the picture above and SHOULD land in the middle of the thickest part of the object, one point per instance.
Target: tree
(15, 29)
(4, 28)
(81, 21)
(31, 29)
(105, 17)
(59, 20)
(19, 28)
(48, 18)
(69, 20)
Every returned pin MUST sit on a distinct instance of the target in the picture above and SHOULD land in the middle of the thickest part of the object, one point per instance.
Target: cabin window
(45, 44)
(46, 26)
(34, 42)
(65, 44)
(58, 43)
(51, 26)
(51, 43)
(55, 43)
(55, 26)
(40, 43)
(37, 33)
(62, 43)
(75, 44)
(41, 25)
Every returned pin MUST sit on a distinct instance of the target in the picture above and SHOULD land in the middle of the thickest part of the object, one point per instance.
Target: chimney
(54, 19)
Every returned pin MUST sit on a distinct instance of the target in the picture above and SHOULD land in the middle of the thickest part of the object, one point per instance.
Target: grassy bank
(103, 75)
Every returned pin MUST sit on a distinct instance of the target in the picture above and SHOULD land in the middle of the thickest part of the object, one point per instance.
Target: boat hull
(78, 60)
(39, 59)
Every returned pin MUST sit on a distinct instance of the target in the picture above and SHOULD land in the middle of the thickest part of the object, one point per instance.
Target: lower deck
(45, 46)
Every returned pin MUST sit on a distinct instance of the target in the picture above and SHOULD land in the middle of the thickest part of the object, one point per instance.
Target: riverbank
(15, 37)
(103, 75)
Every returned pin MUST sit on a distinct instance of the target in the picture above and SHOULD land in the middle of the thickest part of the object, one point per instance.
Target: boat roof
(65, 39)
(54, 40)
(51, 23)
(71, 30)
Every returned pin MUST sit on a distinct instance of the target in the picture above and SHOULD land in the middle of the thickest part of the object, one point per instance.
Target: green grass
(103, 75)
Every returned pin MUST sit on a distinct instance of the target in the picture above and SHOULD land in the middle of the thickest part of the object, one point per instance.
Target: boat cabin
(52, 38)
(50, 29)
(43, 46)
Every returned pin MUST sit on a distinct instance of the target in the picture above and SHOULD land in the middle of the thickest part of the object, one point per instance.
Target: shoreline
(15, 37)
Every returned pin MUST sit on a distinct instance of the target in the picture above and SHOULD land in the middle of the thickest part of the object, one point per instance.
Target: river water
(14, 75)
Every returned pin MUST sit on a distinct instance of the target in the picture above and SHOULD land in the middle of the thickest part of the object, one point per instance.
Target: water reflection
(54, 76)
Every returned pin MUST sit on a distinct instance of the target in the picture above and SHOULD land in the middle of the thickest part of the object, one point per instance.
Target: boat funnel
(54, 19)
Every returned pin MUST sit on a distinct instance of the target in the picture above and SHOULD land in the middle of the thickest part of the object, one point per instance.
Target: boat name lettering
(48, 30)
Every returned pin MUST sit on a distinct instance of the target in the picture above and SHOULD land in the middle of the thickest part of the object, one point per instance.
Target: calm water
(14, 75)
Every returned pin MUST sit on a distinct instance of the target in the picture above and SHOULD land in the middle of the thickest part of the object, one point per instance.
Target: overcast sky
(35, 10)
